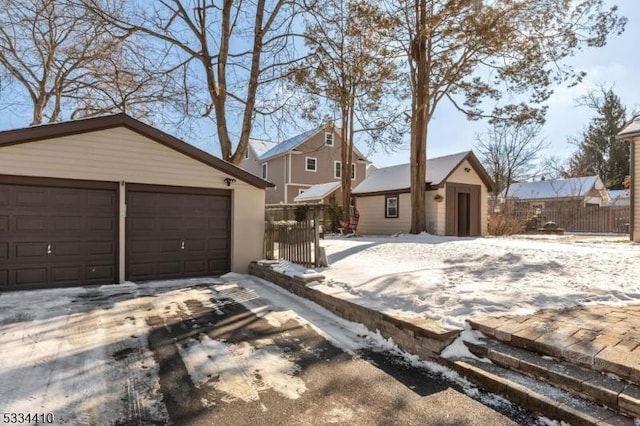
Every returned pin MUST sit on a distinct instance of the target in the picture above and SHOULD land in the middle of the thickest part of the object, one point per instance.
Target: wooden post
(316, 239)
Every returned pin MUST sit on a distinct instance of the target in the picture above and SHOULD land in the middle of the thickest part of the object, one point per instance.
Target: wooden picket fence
(292, 240)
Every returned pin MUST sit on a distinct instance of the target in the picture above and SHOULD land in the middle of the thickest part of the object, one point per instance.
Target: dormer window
(328, 139)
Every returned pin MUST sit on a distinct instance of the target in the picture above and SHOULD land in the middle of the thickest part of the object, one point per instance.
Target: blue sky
(617, 64)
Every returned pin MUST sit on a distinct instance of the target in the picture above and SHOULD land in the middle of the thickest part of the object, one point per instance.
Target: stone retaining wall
(420, 337)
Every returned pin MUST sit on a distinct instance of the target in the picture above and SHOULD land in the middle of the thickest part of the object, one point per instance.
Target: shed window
(328, 139)
(264, 171)
(311, 164)
(391, 206)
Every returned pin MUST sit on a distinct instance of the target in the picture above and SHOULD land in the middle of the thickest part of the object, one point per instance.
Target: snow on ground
(450, 279)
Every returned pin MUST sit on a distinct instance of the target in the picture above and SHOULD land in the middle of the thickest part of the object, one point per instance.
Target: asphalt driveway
(209, 351)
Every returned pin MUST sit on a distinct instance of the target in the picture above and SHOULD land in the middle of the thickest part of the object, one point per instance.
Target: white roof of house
(620, 197)
(260, 147)
(317, 192)
(398, 177)
(631, 128)
(558, 188)
(288, 145)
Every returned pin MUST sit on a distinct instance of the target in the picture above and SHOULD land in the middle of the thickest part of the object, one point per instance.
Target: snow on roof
(619, 193)
(317, 192)
(398, 177)
(558, 188)
(631, 128)
(288, 145)
(260, 147)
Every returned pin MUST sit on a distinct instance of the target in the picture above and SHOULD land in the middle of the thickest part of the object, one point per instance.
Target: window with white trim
(310, 164)
(328, 139)
(264, 171)
(391, 206)
(337, 169)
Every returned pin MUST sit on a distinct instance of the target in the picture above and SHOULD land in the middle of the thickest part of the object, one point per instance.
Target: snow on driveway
(449, 279)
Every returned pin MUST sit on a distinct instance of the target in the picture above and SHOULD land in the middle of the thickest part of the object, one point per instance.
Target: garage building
(111, 199)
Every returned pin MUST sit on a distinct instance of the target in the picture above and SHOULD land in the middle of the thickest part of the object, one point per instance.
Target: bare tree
(350, 65)
(45, 46)
(509, 152)
(468, 51)
(234, 53)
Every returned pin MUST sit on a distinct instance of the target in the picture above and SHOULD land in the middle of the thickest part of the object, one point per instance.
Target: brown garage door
(176, 232)
(52, 236)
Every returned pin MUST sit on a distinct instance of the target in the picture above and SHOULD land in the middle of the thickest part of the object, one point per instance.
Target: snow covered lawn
(450, 279)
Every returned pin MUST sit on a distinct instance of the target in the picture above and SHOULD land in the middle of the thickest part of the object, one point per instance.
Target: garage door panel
(31, 197)
(66, 249)
(142, 271)
(31, 223)
(67, 224)
(218, 266)
(29, 251)
(195, 267)
(51, 234)
(4, 196)
(137, 248)
(169, 269)
(67, 275)
(105, 223)
(4, 278)
(34, 276)
(171, 218)
(100, 273)
(217, 244)
(4, 251)
(100, 248)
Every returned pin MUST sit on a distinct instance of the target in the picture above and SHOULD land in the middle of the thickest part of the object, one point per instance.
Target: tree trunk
(344, 159)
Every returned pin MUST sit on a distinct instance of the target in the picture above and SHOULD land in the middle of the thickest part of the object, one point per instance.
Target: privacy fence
(590, 219)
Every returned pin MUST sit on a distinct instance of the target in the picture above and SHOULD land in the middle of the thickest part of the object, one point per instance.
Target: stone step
(537, 396)
(619, 395)
(605, 352)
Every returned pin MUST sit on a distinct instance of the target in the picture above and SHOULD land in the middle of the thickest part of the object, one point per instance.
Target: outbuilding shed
(109, 199)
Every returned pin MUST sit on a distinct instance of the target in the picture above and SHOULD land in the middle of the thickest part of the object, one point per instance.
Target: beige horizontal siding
(372, 212)
(119, 154)
(472, 178)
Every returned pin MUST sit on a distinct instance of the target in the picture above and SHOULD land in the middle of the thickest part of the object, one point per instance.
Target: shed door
(56, 236)
(462, 209)
(176, 232)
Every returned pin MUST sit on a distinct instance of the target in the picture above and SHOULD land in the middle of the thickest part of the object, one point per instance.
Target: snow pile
(449, 279)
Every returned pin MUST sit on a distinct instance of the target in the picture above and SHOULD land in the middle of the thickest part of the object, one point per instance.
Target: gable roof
(558, 188)
(67, 128)
(290, 144)
(631, 129)
(398, 178)
(259, 146)
(317, 192)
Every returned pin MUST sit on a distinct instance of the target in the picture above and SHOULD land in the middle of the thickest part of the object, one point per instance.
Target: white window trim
(264, 170)
(386, 206)
(306, 164)
(332, 139)
(335, 169)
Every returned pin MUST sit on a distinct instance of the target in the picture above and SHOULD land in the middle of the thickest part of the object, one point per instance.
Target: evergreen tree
(599, 153)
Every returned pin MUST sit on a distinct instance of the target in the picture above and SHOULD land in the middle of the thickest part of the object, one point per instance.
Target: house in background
(577, 192)
(297, 164)
(619, 198)
(632, 132)
(456, 198)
